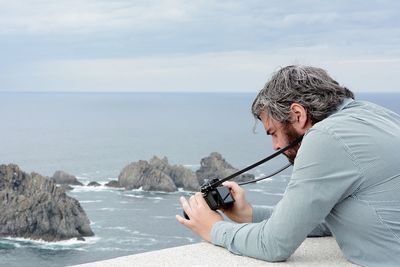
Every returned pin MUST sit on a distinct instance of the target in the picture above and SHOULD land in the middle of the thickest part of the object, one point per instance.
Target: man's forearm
(261, 213)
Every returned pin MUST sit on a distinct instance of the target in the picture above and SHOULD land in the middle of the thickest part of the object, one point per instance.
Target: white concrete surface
(313, 252)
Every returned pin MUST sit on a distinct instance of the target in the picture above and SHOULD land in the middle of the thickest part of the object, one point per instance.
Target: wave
(134, 196)
(181, 190)
(190, 239)
(275, 178)
(112, 249)
(119, 228)
(272, 194)
(162, 217)
(8, 244)
(143, 196)
(101, 187)
(255, 190)
(82, 178)
(109, 209)
(140, 189)
(70, 244)
(91, 201)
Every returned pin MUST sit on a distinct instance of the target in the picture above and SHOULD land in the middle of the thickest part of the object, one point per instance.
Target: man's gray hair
(308, 86)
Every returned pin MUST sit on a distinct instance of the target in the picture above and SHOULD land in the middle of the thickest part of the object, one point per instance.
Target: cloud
(241, 71)
(74, 16)
(191, 45)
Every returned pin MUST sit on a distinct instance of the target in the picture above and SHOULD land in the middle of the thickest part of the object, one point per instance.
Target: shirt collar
(340, 107)
(344, 103)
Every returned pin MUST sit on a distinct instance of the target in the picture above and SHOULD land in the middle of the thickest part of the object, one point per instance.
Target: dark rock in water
(142, 174)
(182, 177)
(131, 176)
(94, 183)
(32, 206)
(156, 180)
(61, 177)
(157, 175)
(215, 166)
(113, 183)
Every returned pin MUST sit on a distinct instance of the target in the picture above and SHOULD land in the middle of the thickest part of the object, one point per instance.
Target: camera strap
(268, 176)
(274, 155)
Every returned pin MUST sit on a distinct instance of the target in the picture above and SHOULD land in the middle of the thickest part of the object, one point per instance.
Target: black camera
(216, 196)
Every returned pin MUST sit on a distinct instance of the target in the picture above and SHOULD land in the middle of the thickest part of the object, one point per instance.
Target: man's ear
(299, 117)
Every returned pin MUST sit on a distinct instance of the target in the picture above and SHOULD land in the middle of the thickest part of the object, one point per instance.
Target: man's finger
(182, 220)
(200, 199)
(193, 201)
(234, 187)
(186, 206)
(231, 185)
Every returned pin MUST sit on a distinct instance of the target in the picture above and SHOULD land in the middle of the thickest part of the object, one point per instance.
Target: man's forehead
(268, 121)
(265, 118)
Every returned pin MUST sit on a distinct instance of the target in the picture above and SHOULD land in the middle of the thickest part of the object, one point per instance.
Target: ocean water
(94, 135)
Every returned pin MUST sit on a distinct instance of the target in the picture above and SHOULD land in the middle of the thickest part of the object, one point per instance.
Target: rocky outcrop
(182, 177)
(94, 183)
(113, 183)
(215, 166)
(32, 206)
(61, 177)
(157, 175)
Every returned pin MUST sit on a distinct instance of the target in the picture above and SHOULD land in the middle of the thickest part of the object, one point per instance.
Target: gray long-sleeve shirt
(345, 181)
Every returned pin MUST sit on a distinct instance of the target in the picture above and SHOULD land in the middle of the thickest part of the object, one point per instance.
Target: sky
(194, 46)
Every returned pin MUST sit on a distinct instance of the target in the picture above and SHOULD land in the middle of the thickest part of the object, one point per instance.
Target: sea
(95, 135)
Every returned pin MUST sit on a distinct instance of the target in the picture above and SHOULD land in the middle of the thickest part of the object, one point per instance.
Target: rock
(33, 206)
(94, 183)
(61, 177)
(113, 183)
(157, 175)
(215, 166)
(148, 177)
(132, 175)
(182, 177)
(156, 180)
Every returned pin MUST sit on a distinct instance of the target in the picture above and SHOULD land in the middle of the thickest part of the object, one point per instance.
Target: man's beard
(291, 136)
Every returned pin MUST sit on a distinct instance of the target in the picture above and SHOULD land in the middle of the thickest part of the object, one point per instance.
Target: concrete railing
(313, 252)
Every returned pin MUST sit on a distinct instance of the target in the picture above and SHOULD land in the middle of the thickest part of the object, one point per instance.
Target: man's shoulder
(351, 123)
(353, 114)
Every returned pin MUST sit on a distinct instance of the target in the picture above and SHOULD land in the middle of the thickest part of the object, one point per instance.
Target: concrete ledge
(313, 252)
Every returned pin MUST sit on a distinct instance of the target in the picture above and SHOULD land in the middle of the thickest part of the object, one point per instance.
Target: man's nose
(275, 145)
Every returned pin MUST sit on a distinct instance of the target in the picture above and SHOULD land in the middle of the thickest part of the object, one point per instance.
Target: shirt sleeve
(321, 230)
(324, 173)
(261, 213)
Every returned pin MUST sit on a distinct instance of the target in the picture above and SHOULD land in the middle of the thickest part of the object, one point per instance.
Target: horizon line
(162, 92)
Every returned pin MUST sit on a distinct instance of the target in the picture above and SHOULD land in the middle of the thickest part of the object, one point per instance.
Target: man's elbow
(277, 258)
(276, 255)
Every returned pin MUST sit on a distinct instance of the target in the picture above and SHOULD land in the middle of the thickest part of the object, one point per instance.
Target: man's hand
(241, 211)
(202, 218)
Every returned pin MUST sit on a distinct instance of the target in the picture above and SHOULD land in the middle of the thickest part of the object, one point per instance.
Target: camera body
(217, 197)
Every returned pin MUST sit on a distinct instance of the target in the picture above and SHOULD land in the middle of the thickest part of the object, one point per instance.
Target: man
(345, 180)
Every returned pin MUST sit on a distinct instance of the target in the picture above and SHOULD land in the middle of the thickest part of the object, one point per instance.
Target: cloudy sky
(199, 46)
